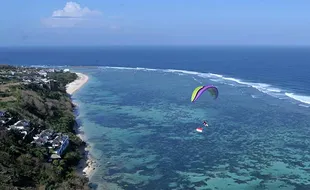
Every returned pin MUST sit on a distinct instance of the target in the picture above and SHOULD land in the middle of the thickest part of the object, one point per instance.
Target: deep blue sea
(137, 115)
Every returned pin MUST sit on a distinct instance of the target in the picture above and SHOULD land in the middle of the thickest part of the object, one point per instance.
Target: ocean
(138, 118)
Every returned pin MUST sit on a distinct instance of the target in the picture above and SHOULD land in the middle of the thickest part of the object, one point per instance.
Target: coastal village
(37, 111)
(56, 143)
(28, 75)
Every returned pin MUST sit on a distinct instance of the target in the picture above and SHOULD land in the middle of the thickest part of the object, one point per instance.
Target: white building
(42, 73)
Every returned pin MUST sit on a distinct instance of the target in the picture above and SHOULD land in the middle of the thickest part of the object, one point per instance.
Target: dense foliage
(24, 165)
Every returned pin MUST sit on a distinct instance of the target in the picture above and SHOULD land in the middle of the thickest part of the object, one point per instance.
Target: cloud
(72, 15)
(74, 10)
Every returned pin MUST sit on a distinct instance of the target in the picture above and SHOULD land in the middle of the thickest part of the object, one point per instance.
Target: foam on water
(128, 68)
(300, 98)
(262, 87)
(197, 80)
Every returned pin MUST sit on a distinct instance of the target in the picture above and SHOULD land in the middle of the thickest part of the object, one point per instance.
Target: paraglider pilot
(205, 123)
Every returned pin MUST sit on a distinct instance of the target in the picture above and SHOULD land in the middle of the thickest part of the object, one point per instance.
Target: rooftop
(21, 123)
(59, 139)
(50, 137)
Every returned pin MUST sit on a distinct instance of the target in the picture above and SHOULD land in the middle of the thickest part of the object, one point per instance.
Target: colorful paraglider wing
(195, 92)
(213, 91)
(201, 89)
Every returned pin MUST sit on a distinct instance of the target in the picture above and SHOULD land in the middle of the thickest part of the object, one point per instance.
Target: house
(55, 142)
(46, 82)
(42, 73)
(51, 70)
(66, 70)
(5, 121)
(44, 137)
(20, 125)
(23, 123)
(61, 142)
(26, 81)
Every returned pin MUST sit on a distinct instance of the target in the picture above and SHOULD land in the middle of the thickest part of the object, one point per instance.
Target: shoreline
(77, 84)
(86, 166)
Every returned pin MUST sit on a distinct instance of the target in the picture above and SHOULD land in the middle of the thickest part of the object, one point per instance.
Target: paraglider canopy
(198, 91)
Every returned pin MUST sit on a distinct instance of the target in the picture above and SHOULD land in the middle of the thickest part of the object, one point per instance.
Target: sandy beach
(87, 165)
(78, 83)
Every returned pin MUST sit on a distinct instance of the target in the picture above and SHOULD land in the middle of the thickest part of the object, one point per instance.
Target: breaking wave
(300, 98)
(262, 87)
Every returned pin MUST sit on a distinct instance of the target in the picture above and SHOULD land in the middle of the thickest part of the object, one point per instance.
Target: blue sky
(145, 22)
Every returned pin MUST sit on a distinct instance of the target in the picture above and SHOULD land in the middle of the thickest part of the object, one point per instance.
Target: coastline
(77, 84)
(86, 165)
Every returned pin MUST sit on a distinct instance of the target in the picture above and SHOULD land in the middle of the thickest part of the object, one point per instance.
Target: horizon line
(124, 46)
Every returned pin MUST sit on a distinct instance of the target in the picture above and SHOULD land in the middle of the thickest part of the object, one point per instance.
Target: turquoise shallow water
(141, 125)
